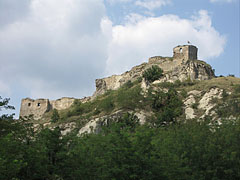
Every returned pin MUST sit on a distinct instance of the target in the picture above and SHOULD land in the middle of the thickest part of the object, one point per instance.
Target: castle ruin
(40, 106)
(183, 65)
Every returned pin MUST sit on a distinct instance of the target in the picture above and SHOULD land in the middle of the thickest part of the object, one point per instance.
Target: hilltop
(186, 88)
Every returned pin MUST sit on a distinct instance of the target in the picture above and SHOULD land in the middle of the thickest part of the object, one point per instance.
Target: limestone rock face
(205, 102)
(116, 81)
(189, 111)
(173, 69)
(94, 125)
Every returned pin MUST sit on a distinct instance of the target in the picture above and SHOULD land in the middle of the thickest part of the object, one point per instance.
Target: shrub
(129, 98)
(128, 84)
(55, 116)
(106, 104)
(153, 73)
(237, 89)
(168, 106)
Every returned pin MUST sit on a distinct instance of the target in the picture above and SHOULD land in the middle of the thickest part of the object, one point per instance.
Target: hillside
(170, 118)
(185, 88)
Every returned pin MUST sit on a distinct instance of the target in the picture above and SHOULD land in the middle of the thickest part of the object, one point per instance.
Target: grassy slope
(129, 97)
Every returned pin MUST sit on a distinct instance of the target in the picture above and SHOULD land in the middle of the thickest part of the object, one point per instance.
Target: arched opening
(29, 104)
(38, 104)
(180, 50)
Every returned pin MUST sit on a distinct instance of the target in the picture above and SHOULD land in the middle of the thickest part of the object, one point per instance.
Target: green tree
(167, 106)
(153, 73)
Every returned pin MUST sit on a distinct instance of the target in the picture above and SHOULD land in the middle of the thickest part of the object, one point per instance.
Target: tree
(6, 121)
(167, 106)
(153, 73)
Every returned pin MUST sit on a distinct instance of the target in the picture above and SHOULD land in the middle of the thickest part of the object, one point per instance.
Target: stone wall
(186, 52)
(34, 107)
(62, 103)
(39, 107)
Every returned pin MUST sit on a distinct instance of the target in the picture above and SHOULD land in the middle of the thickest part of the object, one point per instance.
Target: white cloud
(227, 1)
(136, 41)
(118, 1)
(57, 49)
(152, 4)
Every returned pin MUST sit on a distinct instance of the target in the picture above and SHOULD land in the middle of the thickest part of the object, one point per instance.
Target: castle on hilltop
(183, 65)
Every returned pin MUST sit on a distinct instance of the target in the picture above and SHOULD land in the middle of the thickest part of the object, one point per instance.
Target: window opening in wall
(180, 50)
(29, 104)
(38, 104)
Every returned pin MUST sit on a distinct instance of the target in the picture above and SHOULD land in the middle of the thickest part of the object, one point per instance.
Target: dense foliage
(166, 105)
(122, 150)
(229, 104)
(153, 73)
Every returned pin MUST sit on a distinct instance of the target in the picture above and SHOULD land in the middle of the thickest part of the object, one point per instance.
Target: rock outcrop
(181, 66)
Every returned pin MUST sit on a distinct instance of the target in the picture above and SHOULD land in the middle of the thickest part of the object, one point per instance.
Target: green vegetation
(153, 73)
(128, 97)
(230, 104)
(55, 116)
(167, 107)
(165, 147)
(122, 150)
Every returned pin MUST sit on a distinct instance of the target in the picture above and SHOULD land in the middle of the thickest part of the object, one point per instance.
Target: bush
(55, 116)
(167, 106)
(237, 89)
(153, 73)
(106, 104)
(129, 98)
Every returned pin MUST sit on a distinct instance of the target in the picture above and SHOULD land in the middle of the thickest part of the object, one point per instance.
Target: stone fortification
(40, 106)
(182, 66)
(186, 52)
(34, 107)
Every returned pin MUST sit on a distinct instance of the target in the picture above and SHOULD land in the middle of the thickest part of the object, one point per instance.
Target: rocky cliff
(173, 69)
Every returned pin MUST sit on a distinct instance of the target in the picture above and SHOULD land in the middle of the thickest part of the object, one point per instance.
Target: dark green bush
(167, 106)
(55, 116)
(153, 73)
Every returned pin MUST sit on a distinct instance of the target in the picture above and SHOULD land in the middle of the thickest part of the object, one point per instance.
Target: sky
(57, 48)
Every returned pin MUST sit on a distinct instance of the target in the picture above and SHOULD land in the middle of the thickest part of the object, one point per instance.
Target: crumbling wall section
(34, 107)
(62, 103)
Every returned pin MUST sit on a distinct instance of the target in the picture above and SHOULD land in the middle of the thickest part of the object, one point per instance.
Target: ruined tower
(186, 52)
(34, 107)
(39, 107)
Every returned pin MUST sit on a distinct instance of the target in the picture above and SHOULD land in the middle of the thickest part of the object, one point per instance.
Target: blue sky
(52, 49)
